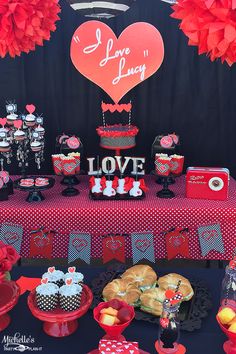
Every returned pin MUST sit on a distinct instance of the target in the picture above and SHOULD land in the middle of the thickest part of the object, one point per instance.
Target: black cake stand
(35, 193)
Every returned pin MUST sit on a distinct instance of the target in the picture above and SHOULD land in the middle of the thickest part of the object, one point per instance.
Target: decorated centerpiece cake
(117, 136)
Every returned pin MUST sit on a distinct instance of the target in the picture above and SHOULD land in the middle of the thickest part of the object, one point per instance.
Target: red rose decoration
(3, 252)
(210, 25)
(25, 24)
(5, 266)
(12, 255)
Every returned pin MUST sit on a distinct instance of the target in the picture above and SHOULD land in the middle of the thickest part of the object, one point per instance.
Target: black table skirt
(209, 339)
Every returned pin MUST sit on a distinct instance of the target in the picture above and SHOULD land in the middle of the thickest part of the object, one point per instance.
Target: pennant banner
(79, 247)
(142, 246)
(11, 234)
(177, 243)
(210, 238)
(113, 248)
(41, 242)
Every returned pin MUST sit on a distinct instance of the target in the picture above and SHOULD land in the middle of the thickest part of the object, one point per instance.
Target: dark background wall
(188, 95)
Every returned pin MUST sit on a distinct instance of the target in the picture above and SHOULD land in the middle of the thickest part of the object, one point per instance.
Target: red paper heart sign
(51, 269)
(18, 124)
(44, 280)
(113, 245)
(143, 245)
(79, 244)
(117, 65)
(3, 121)
(30, 108)
(68, 281)
(71, 269)
(11, 237)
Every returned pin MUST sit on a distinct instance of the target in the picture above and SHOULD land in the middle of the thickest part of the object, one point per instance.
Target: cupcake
(47, 295)
(30, 120)
(40, 130)
(19, 135)
(77, 278)
(36, 146)
(11, 118)
(54, 276)
(4, 146)
(70, 296)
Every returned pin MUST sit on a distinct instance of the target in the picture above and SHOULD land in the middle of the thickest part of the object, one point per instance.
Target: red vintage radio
(207, 183)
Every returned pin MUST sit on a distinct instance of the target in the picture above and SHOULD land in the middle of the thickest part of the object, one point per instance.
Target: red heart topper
(51, 269)
(71, 269)
(69, 281)
(3, 121)
(44, 281)
(30, 108)
(173, 297)
(18, 124)
(117, 65)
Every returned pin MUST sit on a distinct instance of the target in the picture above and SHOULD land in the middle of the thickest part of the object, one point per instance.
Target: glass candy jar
(169, 328)
(228, 291)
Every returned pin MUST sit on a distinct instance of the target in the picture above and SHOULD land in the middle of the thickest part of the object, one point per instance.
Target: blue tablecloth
(207, 340)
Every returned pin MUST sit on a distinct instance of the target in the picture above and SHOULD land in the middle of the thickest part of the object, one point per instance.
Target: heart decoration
(163, 167)
(44, 281)
(117, 64)
(51, 269)
(113, 245)
(69, 167)
(174, 165)
(79, 244)
(143, 244)
(169, 294)
(164, 322)
(30, 108)
(11, 237)
(41, 241)
(3, 121)
(209, 235)
(18, 124)
(177, 240)
(69, 281)
(71, 269)
(116, 107)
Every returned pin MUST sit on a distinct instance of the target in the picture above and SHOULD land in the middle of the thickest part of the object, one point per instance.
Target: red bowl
(57, 322)
(115, 331)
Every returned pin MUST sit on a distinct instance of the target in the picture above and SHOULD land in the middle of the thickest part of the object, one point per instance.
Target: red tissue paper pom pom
(210, 25)
(25, 24)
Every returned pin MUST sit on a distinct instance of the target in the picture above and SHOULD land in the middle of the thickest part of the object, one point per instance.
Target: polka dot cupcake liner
(47, 302)
(70, 303)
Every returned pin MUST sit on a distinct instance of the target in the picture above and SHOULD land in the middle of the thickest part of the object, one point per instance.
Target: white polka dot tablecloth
(65, 215)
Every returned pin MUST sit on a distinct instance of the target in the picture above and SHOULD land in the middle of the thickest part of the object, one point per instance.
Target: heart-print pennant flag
(210, 238)
(79, 247)
(115, 347)
(142, 246)
(41, 242)
(177, 243)
(11, 234)
(113, 248)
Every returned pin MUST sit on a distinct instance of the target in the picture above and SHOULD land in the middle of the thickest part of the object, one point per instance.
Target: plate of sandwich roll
(142, 287)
